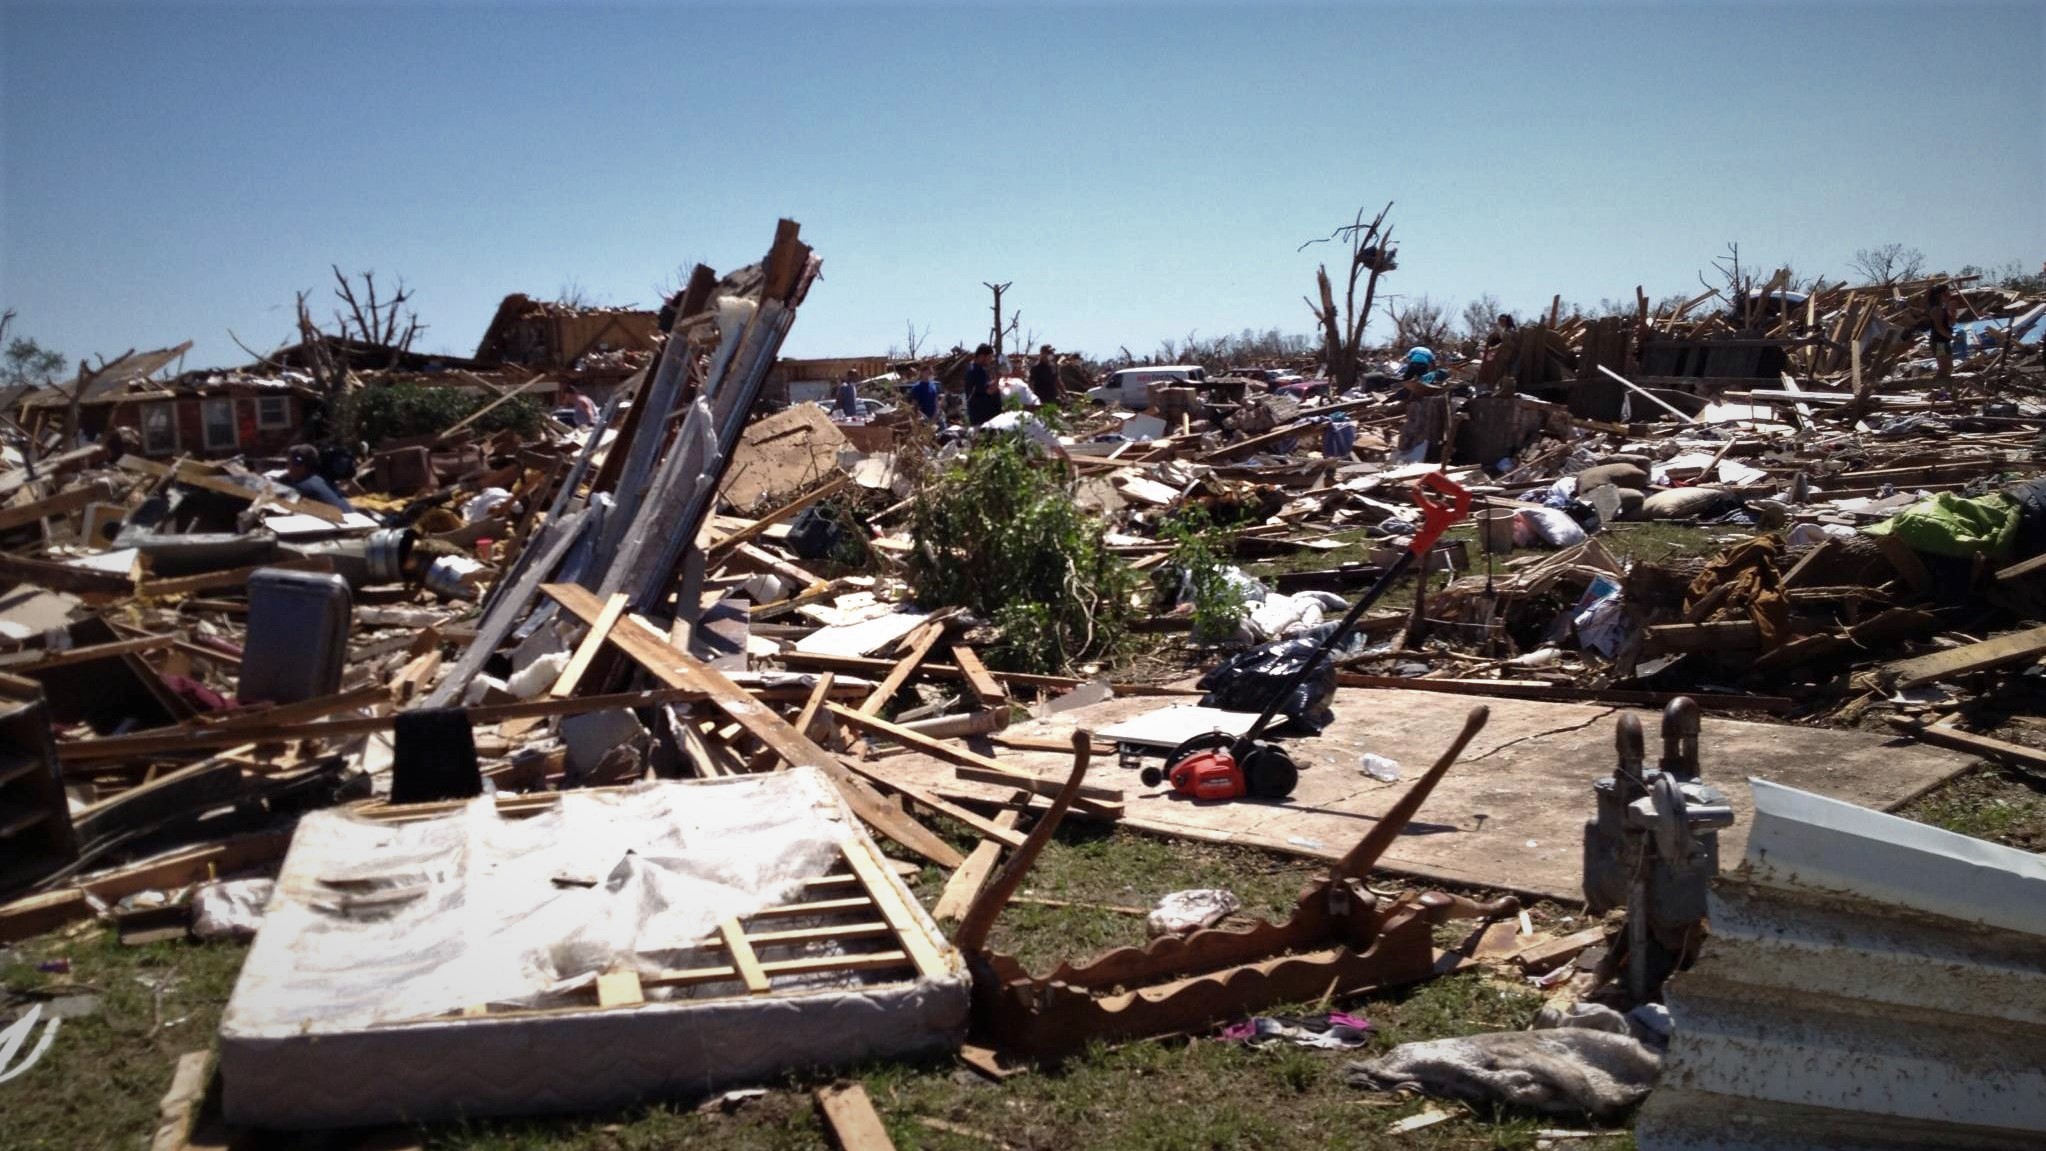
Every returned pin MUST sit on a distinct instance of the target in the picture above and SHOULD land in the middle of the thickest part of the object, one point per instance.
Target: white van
(1131, 387)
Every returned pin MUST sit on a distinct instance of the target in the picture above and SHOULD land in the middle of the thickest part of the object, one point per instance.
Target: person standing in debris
(983, 402)
(581, 407)
(302, 474)
(1939, 320)
(1044, 377)
(924, 394)
(849, 395)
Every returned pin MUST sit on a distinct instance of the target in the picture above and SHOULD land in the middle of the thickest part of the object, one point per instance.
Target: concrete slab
(1510, 815)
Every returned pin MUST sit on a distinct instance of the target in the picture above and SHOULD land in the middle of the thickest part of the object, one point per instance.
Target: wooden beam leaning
(959, 755)
(648, 647)
(919, 645)
(586, 652)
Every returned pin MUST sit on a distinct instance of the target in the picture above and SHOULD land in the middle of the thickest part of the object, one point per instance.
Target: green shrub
(997, 532)
(379, 412)
(1200, 560)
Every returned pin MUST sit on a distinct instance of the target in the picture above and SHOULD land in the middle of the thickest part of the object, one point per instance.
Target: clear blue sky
(173, 171)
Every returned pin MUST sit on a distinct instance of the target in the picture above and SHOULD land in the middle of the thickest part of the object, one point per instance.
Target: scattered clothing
(1184, 911)
(1334, 1031)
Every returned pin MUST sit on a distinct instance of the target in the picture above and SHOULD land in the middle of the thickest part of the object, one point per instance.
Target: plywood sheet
(1511, 814)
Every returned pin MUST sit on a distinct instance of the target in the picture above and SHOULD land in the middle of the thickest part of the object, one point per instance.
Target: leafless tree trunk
(997, 289)
(1371, 255)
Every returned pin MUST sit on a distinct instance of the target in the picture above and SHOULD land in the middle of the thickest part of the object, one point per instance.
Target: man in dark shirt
(1044, 377)
(983, 402)
(302, 474)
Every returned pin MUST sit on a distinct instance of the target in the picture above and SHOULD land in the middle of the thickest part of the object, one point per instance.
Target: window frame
(169, 443)
(234, 431)
(283, 419)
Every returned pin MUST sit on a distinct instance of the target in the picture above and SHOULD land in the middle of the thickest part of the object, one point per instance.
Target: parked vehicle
(1131, 387)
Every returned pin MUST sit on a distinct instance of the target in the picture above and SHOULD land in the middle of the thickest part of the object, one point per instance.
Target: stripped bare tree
(1371, 256)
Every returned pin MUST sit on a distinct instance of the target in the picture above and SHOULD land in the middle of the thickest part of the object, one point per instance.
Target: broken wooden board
(1973, 657)
(1510, 816)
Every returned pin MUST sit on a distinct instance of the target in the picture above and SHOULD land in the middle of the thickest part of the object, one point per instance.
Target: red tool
(1217, 765)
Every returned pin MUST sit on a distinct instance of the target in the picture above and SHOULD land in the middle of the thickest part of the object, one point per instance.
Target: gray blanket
(1563, 1071)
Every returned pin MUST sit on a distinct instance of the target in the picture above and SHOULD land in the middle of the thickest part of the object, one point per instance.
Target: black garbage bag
(1250, 680)
(2030, 496)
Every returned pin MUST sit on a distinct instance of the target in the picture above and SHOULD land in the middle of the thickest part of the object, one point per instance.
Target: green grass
(1999, 806)
(98, 1087)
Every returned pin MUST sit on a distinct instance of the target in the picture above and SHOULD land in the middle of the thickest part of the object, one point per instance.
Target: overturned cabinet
(595, 949)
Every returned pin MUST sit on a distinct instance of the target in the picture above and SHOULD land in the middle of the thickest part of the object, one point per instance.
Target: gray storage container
(298, 636)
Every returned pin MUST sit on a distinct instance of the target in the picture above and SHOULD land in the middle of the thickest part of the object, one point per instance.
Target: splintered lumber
(919, 645)
(851, 1117)
(1549, 954)
(806, 718)
(62, 503)
(648, 647)
(2023, 568)
(985, 687)
(35, 914)
(213, 581)
(968, 878)
(184, 740)
(1969, 658)
(958, 755)
(986, 828)
(93, 652)
(586, 652)
(62, 577)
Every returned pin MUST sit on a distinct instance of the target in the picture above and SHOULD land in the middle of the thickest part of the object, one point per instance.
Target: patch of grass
(99, 1083)
(1652, 541)
(99, 1086)
(2002, 807)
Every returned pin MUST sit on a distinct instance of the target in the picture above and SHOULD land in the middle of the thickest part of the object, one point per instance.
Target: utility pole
(997, 289)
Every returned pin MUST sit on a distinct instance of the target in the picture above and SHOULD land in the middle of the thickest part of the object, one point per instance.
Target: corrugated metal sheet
(1870, 982)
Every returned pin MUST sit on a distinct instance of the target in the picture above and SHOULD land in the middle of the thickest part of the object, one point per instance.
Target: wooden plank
(1036, 783)
(233, 578)
(954, 754)
(492, 406)
(809, 965)
(930, 962)
(920, 643)
(178, 1111)
(778, 515)
(806, 718)
(62, 503)
(1991, 653)
(968, 877)
(1552, 953)
(647, 646)
(851, 1118)
(62, 577)
(35, 914)
(586, 652)
(880, 775)
(1943, 735)
(95, 651)
(866, 665)
(986, 688)
(619, 989)
(2023, 568)
(743, 958)
(206, 739)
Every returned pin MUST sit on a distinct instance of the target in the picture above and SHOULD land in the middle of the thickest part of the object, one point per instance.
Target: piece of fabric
(1335, 1031)
(1564, 1071)
(1954, 525)
(1752, 569)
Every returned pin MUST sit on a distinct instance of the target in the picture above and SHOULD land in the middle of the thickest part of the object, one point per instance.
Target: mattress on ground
(667, 939)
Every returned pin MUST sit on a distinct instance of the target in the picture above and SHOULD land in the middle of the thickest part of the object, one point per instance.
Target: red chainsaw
(1217, 765)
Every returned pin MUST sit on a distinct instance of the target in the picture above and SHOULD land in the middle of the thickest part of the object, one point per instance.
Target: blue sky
(174, 171)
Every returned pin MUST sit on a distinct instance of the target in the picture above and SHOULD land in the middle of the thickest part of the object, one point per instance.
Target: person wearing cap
(302, 474)
(1420, 361)
(1044, 377)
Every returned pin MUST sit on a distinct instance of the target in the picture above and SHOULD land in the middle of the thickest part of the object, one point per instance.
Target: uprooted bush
(1198, 570)
(380, 412)
(997, 532)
